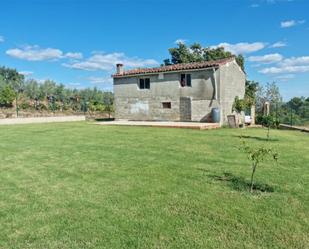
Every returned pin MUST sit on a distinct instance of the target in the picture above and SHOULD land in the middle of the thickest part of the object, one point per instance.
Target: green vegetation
(88, 186)
(293, 112)
(32, 95)
(196, 53)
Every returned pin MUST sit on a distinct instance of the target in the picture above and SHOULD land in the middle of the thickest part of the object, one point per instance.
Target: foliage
(7, 96)
(49, 95)
(250, 92)
(239, 105)
(257, 155)
(196, 53)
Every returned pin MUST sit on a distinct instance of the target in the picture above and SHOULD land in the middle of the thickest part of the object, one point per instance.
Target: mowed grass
(79, 185)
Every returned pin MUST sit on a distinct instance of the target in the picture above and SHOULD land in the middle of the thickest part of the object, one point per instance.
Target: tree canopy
(49, 94)
(196, 53)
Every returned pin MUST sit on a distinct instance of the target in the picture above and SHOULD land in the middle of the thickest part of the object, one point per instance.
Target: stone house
(180, 92)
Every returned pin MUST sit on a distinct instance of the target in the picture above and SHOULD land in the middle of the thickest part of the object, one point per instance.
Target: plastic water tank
(215, 115)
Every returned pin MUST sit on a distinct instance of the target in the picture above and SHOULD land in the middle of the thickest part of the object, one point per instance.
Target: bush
(239, 105)
(25, 106)
(7, 96)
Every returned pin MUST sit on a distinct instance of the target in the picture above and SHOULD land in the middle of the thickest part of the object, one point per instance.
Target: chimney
(119, 67)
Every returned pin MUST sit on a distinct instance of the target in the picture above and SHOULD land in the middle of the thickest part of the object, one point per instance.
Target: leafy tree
(250, 92)
(239, 105)
(7, 96)
(49, 94)
(196, 53)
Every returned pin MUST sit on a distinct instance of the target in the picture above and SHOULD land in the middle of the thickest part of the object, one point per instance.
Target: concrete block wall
(187, 103)
(132, 103)
(201, 110)
(232, 83)
(185, 109)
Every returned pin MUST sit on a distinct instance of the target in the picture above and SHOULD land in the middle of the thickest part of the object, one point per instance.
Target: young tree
(257, 155)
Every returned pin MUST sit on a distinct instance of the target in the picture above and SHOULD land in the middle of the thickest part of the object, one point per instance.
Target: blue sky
(77, 42)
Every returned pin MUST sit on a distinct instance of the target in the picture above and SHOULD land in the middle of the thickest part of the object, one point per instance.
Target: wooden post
(266, 108)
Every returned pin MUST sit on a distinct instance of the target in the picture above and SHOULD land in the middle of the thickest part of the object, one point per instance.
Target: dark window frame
(185, 80)
(144, 83)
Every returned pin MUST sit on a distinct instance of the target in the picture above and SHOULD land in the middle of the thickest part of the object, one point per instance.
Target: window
(185, 80)
(166, 105)
(144, 83)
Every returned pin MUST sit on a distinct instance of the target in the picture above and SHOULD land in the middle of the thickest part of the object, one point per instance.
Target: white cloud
(289, 65)
(255, 5)
(1, 38)
(106, 62)
(296, 61)
(100, 80)
(36, 53)
(26, 73)
(291, 23)
(285, 69)
(268, 58)
(72, 55)
(242, 47)
(182, 41)
(278, 44)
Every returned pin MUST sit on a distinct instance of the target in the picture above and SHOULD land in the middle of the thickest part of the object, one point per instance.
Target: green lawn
(79, 185)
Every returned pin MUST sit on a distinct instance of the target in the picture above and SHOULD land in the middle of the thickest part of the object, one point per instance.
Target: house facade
(180, 92)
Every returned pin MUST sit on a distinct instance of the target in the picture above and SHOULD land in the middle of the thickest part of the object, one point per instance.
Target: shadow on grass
(104, 119)
(240, 184)
(258, 138)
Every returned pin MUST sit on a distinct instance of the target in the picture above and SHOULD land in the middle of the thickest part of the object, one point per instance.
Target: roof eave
(164, 72)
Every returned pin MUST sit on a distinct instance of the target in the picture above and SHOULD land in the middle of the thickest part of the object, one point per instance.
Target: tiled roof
(175, 67)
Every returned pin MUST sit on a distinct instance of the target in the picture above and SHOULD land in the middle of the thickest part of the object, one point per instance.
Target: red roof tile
(175, 67)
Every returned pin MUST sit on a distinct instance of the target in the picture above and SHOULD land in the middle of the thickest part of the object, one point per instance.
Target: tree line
(16, 91)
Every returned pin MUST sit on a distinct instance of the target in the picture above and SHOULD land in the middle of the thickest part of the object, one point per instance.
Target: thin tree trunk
(252, 175)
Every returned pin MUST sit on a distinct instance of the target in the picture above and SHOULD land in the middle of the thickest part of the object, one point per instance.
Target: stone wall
(11, 113)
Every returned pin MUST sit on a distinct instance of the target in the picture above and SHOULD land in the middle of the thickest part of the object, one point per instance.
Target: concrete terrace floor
(167, 124)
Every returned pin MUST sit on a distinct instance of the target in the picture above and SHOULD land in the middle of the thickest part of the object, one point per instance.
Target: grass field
(79, 185)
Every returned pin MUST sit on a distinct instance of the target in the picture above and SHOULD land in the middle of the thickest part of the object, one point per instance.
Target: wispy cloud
(291, 23)
(36, 53)
(106, 62)
(278, 44)
(242, 47)
(72, 55)
(2, 38)
(267, 59)
(254, 5)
